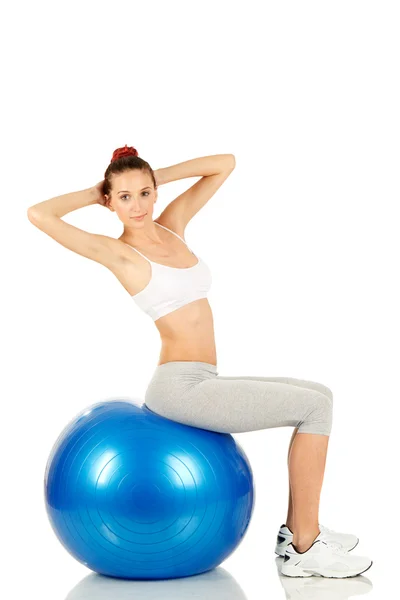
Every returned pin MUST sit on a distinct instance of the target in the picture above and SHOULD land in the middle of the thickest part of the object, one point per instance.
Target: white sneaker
(348, 541)
(323, 559)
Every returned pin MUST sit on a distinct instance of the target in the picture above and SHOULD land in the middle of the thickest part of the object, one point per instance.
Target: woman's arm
(46, 216)
(61, 205)
(213, 171)
(196, 167)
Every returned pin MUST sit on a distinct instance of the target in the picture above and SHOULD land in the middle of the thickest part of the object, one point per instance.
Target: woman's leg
(307, 530)
(290, 518)
(306, 472)
(193, 394)
(306, 467)
(313, 385)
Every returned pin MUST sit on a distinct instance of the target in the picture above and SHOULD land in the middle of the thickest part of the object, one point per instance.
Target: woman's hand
(100, 198)
(158, 175)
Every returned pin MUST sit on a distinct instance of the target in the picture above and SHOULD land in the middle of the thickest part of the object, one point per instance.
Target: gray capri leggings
(193, 393)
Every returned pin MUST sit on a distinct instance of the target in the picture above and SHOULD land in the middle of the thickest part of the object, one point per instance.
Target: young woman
(169, 282)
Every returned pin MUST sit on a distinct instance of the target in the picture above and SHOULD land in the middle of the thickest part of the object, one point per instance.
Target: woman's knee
(328, 392)
(319, 418)
(323, 389)
(312, 385)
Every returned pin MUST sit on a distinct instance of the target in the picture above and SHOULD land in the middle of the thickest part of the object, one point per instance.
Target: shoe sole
(294, 571)
(280, 554)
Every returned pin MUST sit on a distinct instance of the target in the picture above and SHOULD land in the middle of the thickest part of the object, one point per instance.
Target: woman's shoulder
(172, 225)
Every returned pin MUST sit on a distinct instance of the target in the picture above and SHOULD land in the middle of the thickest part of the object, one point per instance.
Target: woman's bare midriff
(188, 334)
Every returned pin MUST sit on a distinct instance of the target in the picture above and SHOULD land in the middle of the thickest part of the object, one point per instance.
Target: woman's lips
(139, 218)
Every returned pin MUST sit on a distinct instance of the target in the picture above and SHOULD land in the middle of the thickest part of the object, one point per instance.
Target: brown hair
(125, 159)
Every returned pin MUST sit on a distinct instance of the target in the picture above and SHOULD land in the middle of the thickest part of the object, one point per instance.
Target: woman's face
(132, 195)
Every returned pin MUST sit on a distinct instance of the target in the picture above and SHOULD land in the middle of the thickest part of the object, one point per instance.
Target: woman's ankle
(304, 539)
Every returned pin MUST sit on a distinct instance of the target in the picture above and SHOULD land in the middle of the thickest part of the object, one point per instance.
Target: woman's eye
(126, 196)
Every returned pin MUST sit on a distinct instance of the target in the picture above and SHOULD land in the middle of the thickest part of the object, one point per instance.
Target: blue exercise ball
(134, 495)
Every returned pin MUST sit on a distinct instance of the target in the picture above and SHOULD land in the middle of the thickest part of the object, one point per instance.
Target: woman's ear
(107, 201)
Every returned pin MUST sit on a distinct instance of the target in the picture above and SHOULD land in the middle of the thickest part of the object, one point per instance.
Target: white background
(302, 241)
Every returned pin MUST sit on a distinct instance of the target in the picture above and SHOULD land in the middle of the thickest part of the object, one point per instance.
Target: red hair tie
(125, 151)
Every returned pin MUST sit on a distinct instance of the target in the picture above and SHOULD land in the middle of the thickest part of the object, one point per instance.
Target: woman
(169, 282)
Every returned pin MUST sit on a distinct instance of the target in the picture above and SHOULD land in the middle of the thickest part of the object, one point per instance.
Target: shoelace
(336, 547)
(323, 528)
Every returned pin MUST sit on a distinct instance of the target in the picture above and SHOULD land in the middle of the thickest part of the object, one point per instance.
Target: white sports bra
(171, 288)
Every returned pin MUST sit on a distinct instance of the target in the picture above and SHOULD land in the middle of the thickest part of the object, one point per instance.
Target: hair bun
(125, 151)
